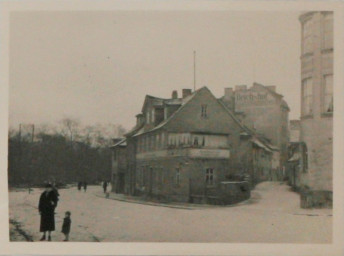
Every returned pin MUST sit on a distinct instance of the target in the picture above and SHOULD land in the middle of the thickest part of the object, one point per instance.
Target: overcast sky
(98, 66)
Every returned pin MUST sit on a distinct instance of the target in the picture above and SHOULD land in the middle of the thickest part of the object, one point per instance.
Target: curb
(197, 207)
(148, 203)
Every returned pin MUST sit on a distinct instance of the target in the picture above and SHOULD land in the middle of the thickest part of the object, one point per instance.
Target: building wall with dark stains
(178, 178)
(317, 107)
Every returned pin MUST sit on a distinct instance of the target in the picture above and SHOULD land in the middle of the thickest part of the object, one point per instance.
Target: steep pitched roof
(163, 123)
(152, 99)
(121, 143)
(184, 102)
(267, 89)
(133, 130)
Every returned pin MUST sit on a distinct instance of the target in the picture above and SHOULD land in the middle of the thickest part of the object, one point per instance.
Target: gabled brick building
(186, 148)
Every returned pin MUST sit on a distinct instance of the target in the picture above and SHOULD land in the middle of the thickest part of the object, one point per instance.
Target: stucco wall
(160, 178)
(318, 135)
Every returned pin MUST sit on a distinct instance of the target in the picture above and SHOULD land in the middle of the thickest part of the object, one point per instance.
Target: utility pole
(19, 132)
(33, 133)
(194, 62)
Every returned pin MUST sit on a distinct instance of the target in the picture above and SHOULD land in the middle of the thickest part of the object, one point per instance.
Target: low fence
(226, 193)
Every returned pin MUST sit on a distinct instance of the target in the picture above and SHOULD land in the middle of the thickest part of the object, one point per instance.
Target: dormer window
(204, 110)
(153, 115)
(148, 117)
(196, 141)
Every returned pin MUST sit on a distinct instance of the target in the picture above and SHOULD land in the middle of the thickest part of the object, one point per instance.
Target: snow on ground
(272, 215)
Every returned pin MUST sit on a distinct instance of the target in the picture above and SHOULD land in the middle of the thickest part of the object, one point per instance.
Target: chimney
(228, 94)
(240, 87)
(174, 94)
(271, 87)
(186, 92)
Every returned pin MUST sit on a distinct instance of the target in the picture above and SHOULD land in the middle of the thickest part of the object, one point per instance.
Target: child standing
(66, 225)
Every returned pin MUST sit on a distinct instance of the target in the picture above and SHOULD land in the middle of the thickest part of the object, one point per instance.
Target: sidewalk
(142, 200)
(266, 197)
(177, 205)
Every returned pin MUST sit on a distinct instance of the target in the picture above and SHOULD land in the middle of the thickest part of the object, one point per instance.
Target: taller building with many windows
(317, 107)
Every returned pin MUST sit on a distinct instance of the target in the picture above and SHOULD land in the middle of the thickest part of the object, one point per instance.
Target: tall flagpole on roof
(194, 59)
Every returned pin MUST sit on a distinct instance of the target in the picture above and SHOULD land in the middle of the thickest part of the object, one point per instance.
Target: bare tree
(70, 128)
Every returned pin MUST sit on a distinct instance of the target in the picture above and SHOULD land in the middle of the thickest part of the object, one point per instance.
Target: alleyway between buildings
(272, 215)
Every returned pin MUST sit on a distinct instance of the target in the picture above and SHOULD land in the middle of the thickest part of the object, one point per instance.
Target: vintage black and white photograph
(184, 126)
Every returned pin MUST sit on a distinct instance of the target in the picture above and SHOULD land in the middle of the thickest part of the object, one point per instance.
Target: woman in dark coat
(46, 207)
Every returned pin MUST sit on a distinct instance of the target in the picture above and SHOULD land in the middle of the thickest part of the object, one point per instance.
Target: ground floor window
(209, 176)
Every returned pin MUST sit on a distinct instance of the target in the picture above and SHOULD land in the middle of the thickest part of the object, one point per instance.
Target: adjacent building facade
(263, 110)
(296, 155)
(317, 108)
(192, 148)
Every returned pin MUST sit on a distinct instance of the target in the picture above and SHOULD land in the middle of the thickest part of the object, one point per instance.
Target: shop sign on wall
(253, 97)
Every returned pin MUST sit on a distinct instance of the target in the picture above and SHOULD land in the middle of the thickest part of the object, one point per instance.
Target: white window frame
(328, 94)
(307, 96)
(210, 176)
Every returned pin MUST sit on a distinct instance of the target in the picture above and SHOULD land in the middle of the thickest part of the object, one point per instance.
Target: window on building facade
(307, 96)
(153, 115)
(305, 157)
(203, 110)
(209, 176)
(162, 139)
(177, 181)
(165, 113)
(147, 117)
(307, 36)
(196, 141)
(328, 94)
(328, 31)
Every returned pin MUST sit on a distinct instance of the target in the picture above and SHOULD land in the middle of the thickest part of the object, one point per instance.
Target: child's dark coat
(66, 225)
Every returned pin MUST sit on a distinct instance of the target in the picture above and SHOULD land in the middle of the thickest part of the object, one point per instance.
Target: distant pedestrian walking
(85, 186)
(104, 186)
(79, 185)
(66, 225)
(47, 204)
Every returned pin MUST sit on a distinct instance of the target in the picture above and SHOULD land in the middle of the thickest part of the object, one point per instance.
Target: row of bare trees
(67, 152)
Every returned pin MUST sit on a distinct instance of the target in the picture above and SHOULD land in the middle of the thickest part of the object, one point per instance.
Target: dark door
(121, 182)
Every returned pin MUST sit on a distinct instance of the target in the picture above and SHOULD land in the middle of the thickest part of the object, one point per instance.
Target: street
(272, 215)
